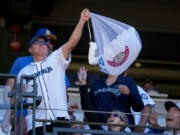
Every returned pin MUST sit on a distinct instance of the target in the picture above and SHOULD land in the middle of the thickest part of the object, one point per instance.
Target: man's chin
(112, 122)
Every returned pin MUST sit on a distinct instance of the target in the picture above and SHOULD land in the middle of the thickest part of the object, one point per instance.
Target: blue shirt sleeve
(15, 67)
(20, 63)
(67, 81)
(136, 101)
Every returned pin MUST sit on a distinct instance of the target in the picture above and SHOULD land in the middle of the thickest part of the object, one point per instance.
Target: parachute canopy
(118, 44)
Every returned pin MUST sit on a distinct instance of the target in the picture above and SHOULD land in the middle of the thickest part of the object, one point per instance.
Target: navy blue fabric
(19, 64)
(108, 98)
(157, 131)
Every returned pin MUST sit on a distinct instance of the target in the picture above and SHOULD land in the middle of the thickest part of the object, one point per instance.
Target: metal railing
(19, 93)
(33, 95)
(93, 131)
(12, 94)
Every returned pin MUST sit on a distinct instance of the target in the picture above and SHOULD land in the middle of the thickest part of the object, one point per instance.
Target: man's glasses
(117, 116)
(51, 41)
(41, 42)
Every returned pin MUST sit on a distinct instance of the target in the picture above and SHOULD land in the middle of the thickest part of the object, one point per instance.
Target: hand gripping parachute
(118, 44)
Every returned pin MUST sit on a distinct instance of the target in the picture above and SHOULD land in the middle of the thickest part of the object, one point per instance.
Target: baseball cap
(35, 37)
(47, 32)
(170, 104)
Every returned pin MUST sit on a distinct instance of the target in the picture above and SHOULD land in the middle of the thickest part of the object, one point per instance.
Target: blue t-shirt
(19, 64)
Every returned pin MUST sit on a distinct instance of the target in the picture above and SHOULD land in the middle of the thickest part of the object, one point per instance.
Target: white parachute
(118, 44)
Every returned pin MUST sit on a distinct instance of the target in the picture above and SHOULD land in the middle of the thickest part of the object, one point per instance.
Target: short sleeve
(147, 100)
(20, 63)
(57, 58)
(15, 67)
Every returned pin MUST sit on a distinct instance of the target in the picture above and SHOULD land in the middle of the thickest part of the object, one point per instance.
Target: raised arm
(85, 99)
(76, 35)
(84, 95)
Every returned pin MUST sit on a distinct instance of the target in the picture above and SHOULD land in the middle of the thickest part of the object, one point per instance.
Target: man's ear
(30, 50)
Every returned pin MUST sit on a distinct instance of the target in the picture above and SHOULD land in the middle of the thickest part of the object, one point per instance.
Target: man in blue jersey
(21, 62)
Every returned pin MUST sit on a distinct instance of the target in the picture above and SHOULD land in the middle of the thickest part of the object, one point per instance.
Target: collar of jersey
(119, 79)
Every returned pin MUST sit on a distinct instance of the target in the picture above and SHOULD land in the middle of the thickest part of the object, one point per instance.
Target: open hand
(82, 75)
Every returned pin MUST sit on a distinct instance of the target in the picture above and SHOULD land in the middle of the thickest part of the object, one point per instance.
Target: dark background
(157, 22)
